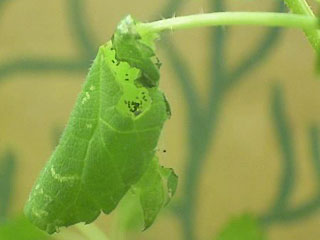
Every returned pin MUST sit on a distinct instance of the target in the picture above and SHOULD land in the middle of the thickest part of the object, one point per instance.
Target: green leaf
(245, 227)
(155, 189)
(7, 170)
(110, 139)
(137, 52)
(21, 229)
(140, 206)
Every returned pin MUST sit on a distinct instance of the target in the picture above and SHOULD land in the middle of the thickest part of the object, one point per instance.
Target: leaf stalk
(269, 19)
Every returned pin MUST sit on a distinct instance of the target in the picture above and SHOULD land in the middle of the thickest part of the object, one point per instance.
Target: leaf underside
(108, 146)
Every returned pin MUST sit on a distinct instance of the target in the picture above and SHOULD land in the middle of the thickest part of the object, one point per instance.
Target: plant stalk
(270, 19)
(302, 7)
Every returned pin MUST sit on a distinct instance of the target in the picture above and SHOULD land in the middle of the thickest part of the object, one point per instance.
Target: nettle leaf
(245, 227)
(108, 146)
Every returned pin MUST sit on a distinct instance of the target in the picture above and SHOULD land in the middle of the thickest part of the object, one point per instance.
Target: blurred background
(244, 132)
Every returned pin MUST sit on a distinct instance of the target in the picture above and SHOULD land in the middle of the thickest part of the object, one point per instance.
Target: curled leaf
(110, 140)
(155, 189)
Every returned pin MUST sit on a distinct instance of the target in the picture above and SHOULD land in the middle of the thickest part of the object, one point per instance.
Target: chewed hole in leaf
(135, 99)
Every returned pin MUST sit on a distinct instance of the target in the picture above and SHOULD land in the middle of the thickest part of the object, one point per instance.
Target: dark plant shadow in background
(203, 119)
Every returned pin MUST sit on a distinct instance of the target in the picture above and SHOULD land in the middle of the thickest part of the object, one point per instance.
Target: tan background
(243, 165)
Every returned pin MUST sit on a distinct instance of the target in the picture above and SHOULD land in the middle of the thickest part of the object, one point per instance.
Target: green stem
(91, 231)
(80, 29)
(232, 18)
(302, 7)
(286, 143)
(38, 64)
(7, 174)
(314, 136)
(218, 62)
(299, 7)
(302, 211)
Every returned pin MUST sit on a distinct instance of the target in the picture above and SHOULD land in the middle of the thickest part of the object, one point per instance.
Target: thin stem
(231, 18)
(299, 7)
(38, 64)
(80, 29)
(7, 174)
(285, 138)
(314, 136)
(185, 77)
(201, 136)
(218, 62)
(302, 7)
(255, 58)
(304, 210)
(91, 231)
(258, 53)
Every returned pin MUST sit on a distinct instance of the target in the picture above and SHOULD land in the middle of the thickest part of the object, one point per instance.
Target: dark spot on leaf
(137, 112)
(135, 107)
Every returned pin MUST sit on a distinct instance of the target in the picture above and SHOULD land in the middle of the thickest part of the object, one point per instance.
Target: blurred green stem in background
(285, 139)
(2, 3)
(7, 169)
(315, 153)
(84, 40)
(203, 120)
(281, 212)
(40, 65)
(80, 29)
